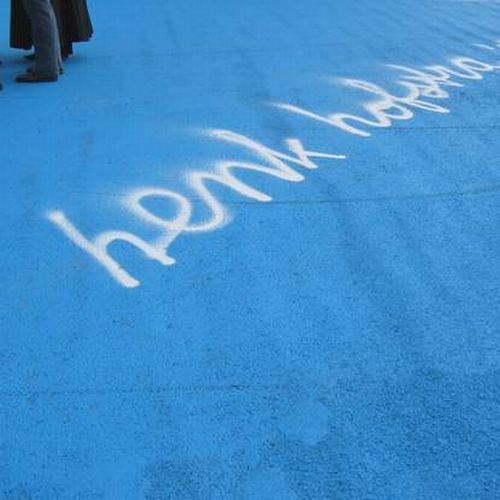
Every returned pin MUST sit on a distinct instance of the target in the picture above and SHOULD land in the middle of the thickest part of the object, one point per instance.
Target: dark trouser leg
(45, 37)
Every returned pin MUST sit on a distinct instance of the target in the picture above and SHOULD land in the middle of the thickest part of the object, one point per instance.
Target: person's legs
(66, 50)
(45, 38)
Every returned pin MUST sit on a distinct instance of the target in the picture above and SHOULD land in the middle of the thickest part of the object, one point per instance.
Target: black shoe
(35, 78)
(31, 69)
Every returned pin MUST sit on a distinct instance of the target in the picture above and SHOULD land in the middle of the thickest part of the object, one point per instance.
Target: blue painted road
(330, 328)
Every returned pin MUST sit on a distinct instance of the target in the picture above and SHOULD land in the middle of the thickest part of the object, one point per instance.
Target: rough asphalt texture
(339, 342)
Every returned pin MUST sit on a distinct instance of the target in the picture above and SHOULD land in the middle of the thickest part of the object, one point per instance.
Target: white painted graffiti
(421, 86)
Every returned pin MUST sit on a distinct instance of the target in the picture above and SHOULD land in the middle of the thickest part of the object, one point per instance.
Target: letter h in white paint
(98, 248)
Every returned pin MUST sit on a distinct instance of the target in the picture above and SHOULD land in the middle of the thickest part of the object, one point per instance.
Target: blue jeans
(45, 37)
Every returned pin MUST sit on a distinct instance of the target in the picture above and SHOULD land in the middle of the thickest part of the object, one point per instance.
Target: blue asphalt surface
(339, 342)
